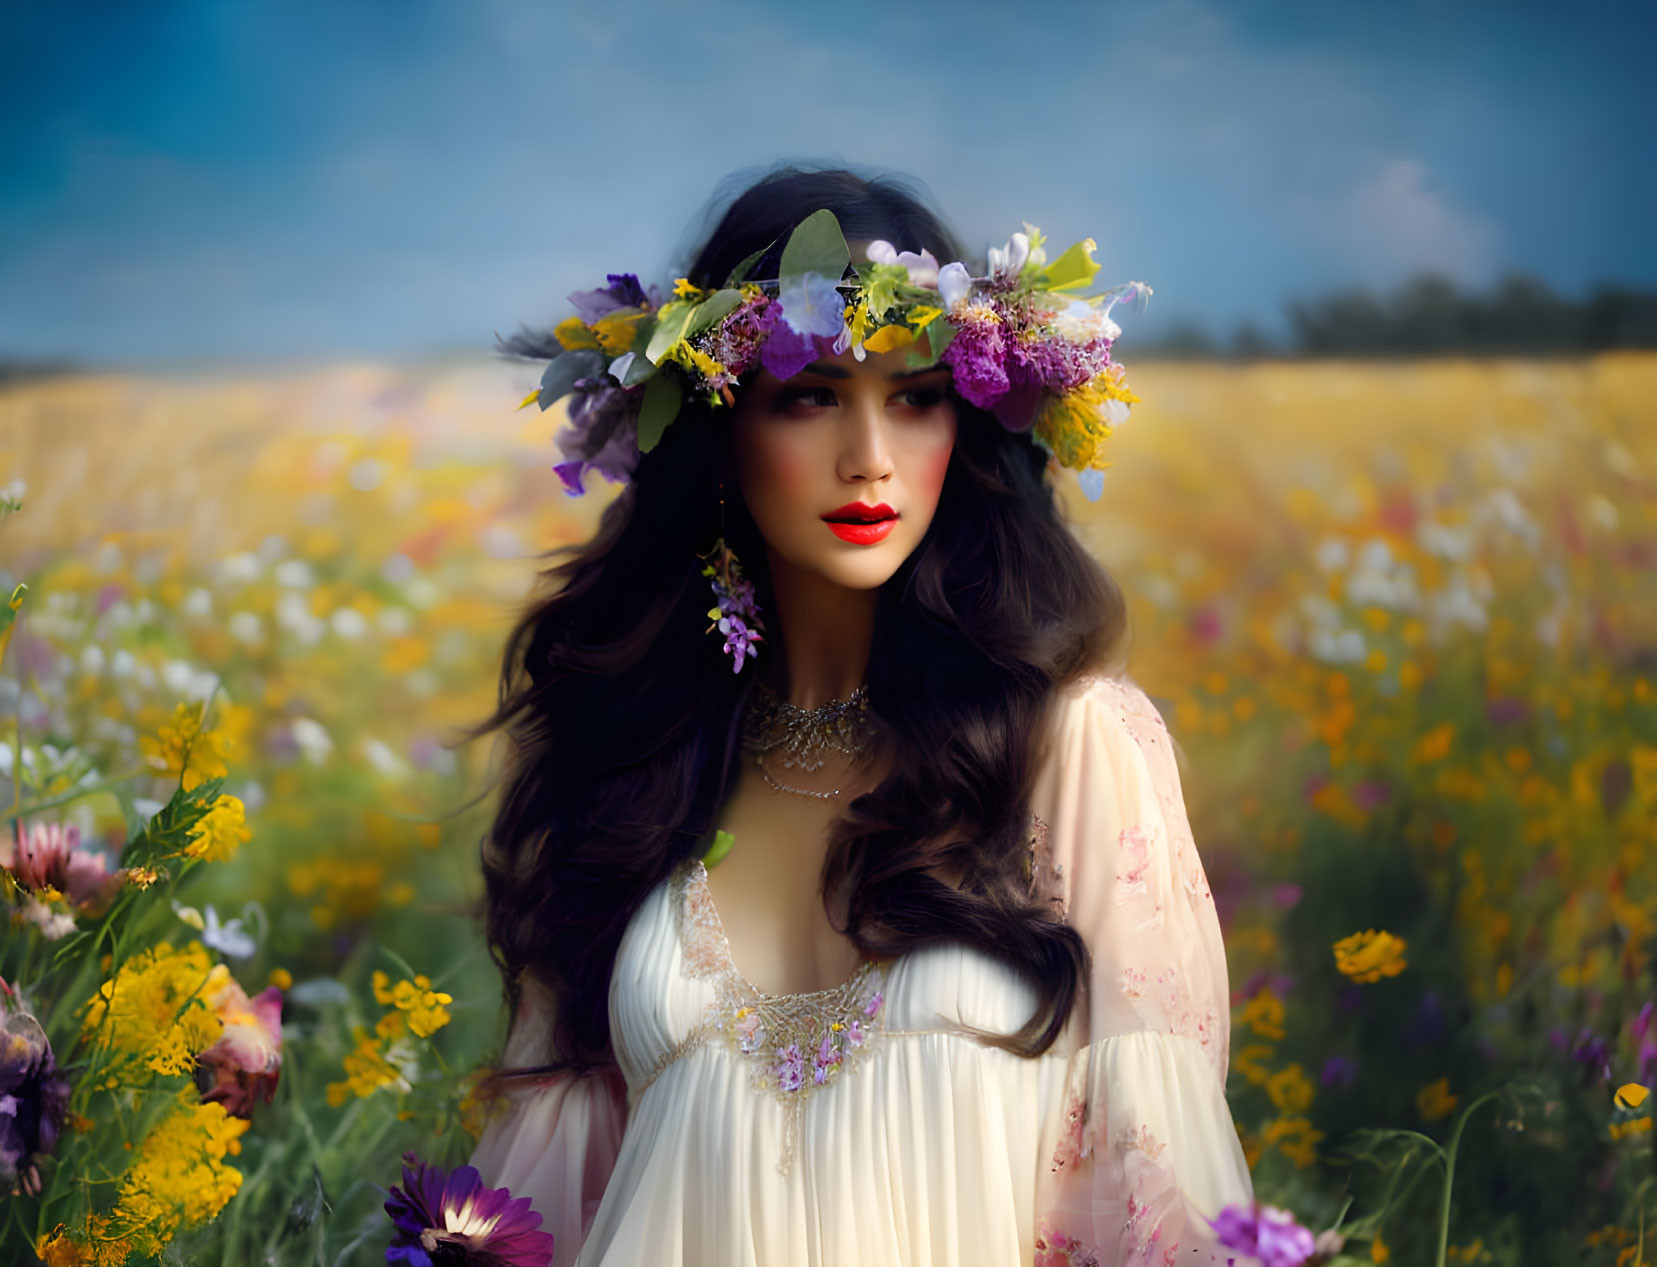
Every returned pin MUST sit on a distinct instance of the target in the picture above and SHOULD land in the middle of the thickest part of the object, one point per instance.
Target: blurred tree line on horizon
(1429, 315)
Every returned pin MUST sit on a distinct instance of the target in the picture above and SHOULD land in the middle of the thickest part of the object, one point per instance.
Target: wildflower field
(1401, 617)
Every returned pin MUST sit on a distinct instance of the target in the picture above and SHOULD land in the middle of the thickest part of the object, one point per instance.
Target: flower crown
(1020, 342)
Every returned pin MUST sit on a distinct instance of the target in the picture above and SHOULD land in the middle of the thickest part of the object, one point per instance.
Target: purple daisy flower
(446, 1217)
(1268, 1233)
(34, 1096)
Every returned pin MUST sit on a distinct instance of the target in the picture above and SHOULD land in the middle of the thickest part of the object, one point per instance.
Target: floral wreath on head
(1021, 342)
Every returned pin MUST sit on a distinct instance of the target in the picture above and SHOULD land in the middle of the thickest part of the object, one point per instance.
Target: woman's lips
(860, 524)
(863, 534)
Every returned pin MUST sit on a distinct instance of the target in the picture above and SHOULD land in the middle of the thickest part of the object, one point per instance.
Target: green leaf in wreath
(659, 407)
(739, 274)
(1076, 267)
(671, 323)
(816, 246)
(562, 371)
(715, 308)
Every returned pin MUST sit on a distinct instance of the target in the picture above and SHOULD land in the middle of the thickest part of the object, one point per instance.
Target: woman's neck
(822, 633)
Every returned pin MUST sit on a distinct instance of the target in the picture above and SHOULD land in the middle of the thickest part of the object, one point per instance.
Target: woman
(891, 946)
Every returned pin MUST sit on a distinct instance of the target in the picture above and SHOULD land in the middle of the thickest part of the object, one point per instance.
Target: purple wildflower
(1645, 1039)
(623, 291)
(1342, 1070)
(873, 1005)
(450, 1217)
(977, 353)
(34, 1097)
(856, 1035)
(790, 1068)
(603, 433)
(1593, 1053)
(739, 340)
(1370, 794)
(1268, 1233)
(737, 613)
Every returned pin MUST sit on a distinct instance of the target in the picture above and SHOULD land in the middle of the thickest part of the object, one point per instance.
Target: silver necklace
(804, 734)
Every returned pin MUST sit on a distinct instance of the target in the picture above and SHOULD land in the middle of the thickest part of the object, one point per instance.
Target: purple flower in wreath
(977, 354)
(603, 432)
(623, 291)
(34, 1096)
(790, 1068)
(871, 1008)
(856, 1035)
(813, 314)
(1268, 1233)
(451, 1217)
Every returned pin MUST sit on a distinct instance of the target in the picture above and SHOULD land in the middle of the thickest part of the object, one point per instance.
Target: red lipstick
(861, 524)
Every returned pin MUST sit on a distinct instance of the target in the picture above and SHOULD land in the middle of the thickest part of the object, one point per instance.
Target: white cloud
(1391, 224)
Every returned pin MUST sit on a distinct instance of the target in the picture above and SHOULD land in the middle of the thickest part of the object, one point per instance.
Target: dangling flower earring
(737, 614)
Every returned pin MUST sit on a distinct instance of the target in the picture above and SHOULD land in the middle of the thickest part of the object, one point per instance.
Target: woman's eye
(812, 397)
(921, 397)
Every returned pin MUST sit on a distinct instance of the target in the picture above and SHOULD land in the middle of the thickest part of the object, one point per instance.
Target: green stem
(1450, 1174)
(18, 811)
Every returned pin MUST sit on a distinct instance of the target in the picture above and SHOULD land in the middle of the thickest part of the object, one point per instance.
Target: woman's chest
(675, 988)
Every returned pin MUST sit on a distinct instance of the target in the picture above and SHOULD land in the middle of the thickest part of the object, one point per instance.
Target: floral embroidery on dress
(1056, 1249)
(1074, 1145)
(1133, 860)
(794, 1043)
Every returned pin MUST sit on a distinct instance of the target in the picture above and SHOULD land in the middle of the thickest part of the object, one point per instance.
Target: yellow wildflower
(1435, 744)
(575, 333)
(694, 359)
(1378, 1251)
(1290, 1089)
(281, 978)
(1370, 955)
(93, 1246)
(1435, 1101)
(180, 1177)
(1631, 1095)
(1264, 1014)
(366, 1071)
(143, 877)
(889, 339)
(924, 316)
(616, 331)
(424, 1005)
(219, 832)
(1074, 426)
(1635, 1126)
(682, 289)
(185, 749)
(1246, 1063)
(857, 317)
(155, 1011)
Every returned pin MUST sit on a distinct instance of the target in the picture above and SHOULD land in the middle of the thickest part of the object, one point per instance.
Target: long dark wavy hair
(624, 718)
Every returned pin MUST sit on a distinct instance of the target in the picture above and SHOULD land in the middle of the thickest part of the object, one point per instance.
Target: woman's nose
(864, 451)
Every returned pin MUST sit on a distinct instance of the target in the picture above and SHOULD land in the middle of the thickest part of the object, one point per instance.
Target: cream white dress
(860, 1126)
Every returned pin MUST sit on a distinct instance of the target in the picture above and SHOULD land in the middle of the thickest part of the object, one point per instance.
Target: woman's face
(840, 437)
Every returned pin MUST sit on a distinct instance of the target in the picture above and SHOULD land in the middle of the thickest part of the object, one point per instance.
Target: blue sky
(247, 181)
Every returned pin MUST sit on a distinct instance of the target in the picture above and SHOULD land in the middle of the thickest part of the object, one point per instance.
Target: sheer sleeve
(1140, 1149)
(553, 1138)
